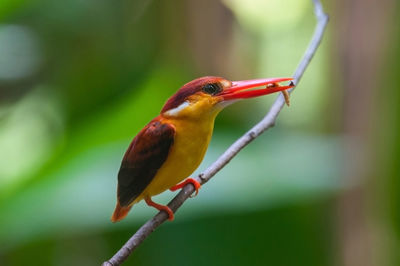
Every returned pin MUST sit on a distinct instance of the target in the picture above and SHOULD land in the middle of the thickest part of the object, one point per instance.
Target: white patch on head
(175, 111)
(226, 83)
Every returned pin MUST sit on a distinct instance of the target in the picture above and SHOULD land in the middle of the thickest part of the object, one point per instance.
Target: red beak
(239, 89)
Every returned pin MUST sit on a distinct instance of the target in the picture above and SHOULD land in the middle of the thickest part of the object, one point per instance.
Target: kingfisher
(170, 148)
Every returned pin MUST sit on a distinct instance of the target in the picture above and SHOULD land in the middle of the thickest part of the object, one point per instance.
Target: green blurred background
(79, 78)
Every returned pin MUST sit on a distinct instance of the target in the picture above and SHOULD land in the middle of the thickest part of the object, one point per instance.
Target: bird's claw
(192, 181)
(160, 208)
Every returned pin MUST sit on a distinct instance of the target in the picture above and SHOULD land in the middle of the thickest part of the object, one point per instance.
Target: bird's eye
(212, 88)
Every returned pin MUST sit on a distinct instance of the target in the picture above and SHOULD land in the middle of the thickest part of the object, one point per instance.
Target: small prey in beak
(285, 93)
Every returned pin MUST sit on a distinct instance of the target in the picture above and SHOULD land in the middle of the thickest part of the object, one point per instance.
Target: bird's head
(208, 95)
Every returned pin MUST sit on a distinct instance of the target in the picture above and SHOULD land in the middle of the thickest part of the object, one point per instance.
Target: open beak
(240, 89)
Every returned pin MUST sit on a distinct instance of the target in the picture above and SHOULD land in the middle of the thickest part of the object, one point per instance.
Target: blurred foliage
(78, 79)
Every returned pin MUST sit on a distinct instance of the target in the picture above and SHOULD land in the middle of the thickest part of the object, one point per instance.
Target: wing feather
(144, 157)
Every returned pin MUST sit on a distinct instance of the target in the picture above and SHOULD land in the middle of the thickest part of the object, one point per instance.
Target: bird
(172, 145)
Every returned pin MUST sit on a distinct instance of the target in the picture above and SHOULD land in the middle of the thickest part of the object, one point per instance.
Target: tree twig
(267, 122)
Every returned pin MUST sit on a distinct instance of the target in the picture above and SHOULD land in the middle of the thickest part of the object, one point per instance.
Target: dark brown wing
(146, 154)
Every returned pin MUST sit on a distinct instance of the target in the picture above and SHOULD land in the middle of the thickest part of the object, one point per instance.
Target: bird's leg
(160, 208)
(192, 181)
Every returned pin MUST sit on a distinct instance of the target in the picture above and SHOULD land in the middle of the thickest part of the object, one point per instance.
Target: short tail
(120, 212)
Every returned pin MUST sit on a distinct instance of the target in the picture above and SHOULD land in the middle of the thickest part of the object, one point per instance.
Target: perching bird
(172, 145)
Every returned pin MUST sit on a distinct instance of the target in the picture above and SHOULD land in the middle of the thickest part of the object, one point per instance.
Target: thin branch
(267, 122)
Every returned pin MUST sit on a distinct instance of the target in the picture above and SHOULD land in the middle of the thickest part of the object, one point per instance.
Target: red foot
(160, 208)
(184, 183)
